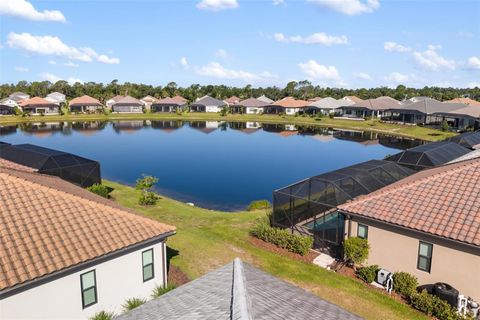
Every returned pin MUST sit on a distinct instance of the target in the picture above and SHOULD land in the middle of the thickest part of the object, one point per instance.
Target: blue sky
(350, 43)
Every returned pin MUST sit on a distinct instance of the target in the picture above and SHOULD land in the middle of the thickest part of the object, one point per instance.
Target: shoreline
(408, 131)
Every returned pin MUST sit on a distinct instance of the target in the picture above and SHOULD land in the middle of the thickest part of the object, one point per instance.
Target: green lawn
(370, 125)
(208, 239)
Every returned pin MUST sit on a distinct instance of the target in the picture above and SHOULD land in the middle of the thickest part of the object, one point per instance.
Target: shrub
(259, 205)
(356, 250)
(132, 303)
(99, 189)
(368, 274)
(159, 290)
(103, 315)
(404, 283)
(281, 238)
(331, 115)
(148, 198)
(433, 306)
(444, 126)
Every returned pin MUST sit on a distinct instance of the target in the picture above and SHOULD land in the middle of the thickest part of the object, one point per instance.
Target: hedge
(434, 306)
(368, 274)
(281, 238)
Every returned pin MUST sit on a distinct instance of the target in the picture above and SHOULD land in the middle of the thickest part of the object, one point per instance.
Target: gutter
(30, 284)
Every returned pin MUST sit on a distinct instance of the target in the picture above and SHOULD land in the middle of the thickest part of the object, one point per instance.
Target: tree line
(300, 90)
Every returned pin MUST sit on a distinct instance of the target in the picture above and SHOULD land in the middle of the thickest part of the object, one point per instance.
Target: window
(89, 289)
(424, 256)
(362, 231)
(147, 263)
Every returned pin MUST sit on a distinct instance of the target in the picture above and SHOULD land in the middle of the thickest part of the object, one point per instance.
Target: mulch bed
(284, 252)
(177, 276)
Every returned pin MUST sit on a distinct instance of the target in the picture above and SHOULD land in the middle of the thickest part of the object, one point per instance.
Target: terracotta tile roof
(36, 101)
(149, 99)
(253, 102)
(47, 224)
(290, 102)
(180, 98)
(85, 101)
(232, 100)
(443, 201)
(13, 165)
(353, 98)
(168, 101)
(128, 101)
(466, 101)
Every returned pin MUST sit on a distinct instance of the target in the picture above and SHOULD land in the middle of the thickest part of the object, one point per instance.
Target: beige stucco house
(427, 224)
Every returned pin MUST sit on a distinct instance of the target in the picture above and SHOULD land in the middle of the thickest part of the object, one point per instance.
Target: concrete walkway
(324, 261)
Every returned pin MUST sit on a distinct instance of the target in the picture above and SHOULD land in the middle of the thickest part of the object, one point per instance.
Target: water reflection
(321, 134)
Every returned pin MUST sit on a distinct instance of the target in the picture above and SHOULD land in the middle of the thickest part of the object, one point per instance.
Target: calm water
(212, 164)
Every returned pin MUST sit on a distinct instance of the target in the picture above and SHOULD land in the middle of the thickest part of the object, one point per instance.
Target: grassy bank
(370, 125)
(208, 239)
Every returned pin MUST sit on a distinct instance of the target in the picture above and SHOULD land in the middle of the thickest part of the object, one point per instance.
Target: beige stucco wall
(398, 252)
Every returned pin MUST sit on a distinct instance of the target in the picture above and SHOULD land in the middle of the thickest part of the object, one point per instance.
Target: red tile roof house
(128, 104)
(147, 101)
(85, 104)
(37, 105)
(288, 105)
(109, 103)
(67, 253)
(233, 100)
(427, 224)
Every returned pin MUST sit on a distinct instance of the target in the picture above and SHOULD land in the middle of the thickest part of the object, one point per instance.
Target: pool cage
(429, 155)
(78, 170)
(308, 207)
(470, 140)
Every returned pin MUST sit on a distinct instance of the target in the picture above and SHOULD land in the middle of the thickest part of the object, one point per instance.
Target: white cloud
(216, 70)
(25, 10)
(474, 63)
(473, 85)
(217, 5)
(51, 45)
(363, 76)
(222, 54)
(322, 73)
(431, 60)
(21, 69)
(53, 78)
(315, 38)
(71, 64)
(52, 62)
(397, 78)
(184, 63)
(277, 2)
(395, 47)
(349, 7)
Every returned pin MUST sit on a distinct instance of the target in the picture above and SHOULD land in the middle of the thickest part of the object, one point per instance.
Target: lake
(216, 165)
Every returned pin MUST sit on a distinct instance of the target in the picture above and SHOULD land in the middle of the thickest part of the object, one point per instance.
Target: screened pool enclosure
(78, 170)
(308, 207)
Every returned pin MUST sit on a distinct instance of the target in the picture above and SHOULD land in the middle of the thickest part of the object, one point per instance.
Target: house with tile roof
(250, 106)
(37, 105)
(109, 103)
(238, 291)
(67, 253)
(147, 101)
(85, 104)
(167, 105)
(370, 108)
(207, 104)
(128, 104)
(57, 98)
(427, 224)
(288, 105)
(233, 100)
(467, 101)
(19, 96)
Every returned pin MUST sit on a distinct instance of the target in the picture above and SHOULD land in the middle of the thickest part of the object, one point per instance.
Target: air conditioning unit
(382, 276)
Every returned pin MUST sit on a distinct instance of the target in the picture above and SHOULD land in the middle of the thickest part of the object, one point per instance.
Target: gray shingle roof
(266, 99)
(238, 291)
(253, 102)
(128, 101)
(329, 103)
(209, 101)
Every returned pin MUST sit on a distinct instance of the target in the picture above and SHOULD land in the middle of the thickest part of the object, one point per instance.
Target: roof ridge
(402, 184)
(240, 308)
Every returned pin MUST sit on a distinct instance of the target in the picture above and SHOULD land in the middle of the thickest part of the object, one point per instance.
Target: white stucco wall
(253, 110)
(117, 280)
(212, 109)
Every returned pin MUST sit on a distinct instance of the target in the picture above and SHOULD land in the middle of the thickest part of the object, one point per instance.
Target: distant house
(467, 101)
(353, 99)
(426, 225)
(327, 105)
(238, 291)
(110, 102)
(288, 105)
(19, 96)
(128, 104)
(85, 104)
(207, 104)
(37, 105)
(180, 98)
(147, 101)
(83, 253)
(56, 97)
(373, 108)
(249, 106)
(233, 100)
(7, 106)
(167, 105)
(265, 99)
